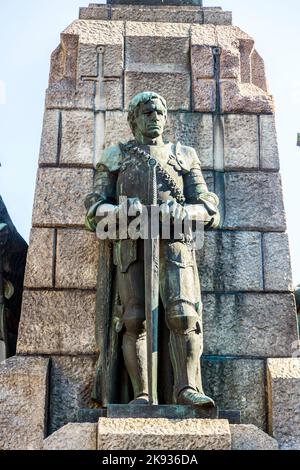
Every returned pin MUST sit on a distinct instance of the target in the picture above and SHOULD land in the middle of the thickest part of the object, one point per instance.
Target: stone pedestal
(249, 437)
(163, 434)
(73, 437)
(156, 434)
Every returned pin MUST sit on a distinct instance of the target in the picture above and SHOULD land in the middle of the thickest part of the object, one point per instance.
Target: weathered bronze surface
(13, 252)
(169, 264)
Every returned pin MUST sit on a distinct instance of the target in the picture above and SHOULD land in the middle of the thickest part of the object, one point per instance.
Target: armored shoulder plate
(111, 158)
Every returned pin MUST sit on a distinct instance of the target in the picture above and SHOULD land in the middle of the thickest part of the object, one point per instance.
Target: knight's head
(147, 115)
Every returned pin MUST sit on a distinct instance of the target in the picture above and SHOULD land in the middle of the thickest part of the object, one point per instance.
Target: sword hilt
(153, 181)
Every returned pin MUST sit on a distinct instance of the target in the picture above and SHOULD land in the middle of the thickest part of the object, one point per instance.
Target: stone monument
(214, 82)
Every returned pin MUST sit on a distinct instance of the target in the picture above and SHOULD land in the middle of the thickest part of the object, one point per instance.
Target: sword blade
(151, 266)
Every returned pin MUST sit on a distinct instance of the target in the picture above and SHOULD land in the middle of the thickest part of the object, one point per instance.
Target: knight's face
(151, 119)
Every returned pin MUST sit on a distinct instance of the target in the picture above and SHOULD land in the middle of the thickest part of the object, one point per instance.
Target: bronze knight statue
(179, 188)
(13, 253)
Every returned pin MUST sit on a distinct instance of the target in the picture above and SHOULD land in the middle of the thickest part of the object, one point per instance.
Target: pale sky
(29, 32)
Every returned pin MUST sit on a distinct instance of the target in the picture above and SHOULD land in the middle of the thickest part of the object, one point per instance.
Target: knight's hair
(134, 104)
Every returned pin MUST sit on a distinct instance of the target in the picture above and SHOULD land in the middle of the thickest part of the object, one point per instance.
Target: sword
(151, 268)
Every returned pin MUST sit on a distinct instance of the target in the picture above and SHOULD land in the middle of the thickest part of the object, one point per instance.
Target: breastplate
(134, 179)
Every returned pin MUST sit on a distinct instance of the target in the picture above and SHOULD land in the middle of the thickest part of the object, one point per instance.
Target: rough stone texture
(50, 136)
(174, 87)
(23, 403)
(241, 142)
(87, 61)
(249, 324)
(163, 434)
(77, 144)
(230, 64)
(244, 98)
(254, 202)
(71, 388)
(246, 47)
(258, 72)
(57, 323)
(194, 130)
(64, 96)
(157, 13)
(73, 437)
(116, 128)
(96, 64)
(59, 196)
(211, 16)
(64, 89)
(203, 35)
(284, 399)
(249, 437)
(269, 155)
(157, 52)
(202, 62)
(230, 261)
(97, 32)
(204, 95)
(76, 259)
(113, 60)
(94, 12)
(39, 265)
(237, 384)
(63, 69)
(163, 13)
(113, 94)
(277, 262)
(142, 29)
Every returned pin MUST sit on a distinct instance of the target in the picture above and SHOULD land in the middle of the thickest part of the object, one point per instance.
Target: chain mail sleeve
(196, 191)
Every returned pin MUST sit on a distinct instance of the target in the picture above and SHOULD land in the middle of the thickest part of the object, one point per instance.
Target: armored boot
(135, 357)
(185, 351)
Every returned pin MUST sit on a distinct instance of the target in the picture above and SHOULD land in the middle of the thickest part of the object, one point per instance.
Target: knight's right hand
(131, 206)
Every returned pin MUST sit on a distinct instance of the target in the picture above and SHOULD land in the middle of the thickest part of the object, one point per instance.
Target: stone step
(249, 437)
(159, 434)
(163, 434)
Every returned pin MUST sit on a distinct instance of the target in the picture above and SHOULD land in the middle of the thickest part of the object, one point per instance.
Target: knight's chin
(154, 133)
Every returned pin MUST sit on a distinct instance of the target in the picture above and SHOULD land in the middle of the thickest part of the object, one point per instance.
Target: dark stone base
(87, 415)
(161, 411)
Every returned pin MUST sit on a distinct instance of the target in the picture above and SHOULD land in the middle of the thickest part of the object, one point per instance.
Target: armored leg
(185, 345)
(181, 297)
(135, 349)
(134, 345)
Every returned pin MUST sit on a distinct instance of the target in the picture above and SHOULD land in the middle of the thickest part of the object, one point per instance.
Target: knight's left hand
(177, 211)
